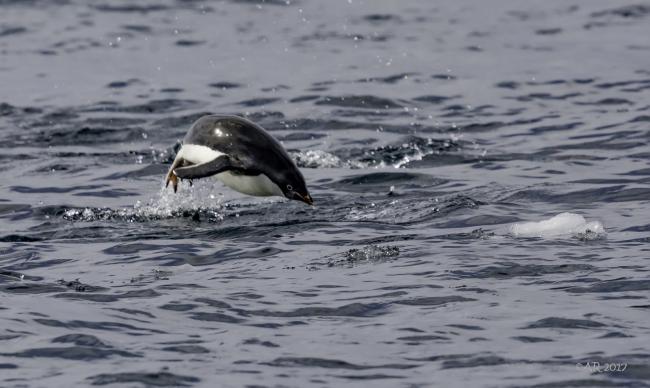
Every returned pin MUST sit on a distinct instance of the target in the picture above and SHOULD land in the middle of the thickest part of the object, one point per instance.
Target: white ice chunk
(561, 225)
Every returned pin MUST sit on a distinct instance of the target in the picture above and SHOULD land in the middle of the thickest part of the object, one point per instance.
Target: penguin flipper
(215, 166)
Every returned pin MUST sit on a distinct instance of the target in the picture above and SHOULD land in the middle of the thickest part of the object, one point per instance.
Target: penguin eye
(289, 187)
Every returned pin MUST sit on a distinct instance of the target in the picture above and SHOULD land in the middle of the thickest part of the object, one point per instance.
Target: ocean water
(438, 139)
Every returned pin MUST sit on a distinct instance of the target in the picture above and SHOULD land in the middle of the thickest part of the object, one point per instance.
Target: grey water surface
(423, 128)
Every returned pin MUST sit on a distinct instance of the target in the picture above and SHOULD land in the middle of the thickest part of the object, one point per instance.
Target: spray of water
(203, 197)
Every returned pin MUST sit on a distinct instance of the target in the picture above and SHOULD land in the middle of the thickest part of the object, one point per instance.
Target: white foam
(323, 159)
(411, 151)
(561, 225)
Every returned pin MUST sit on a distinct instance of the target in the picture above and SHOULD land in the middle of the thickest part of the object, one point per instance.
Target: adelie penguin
(242, 155)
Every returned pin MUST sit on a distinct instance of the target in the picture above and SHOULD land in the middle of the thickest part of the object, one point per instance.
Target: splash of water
(202, 198)
(323, 159)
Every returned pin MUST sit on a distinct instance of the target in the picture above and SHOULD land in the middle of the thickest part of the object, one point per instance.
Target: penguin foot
(171, 177)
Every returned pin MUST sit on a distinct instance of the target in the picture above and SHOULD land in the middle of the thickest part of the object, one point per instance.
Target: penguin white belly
(258, 185)
(197, 154)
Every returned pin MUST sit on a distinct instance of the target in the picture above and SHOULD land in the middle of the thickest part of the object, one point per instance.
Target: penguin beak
(304, 198)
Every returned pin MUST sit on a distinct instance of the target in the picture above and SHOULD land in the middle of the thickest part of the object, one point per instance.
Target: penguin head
(293, 187)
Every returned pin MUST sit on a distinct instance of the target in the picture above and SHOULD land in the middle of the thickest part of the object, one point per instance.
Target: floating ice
(561, 225)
